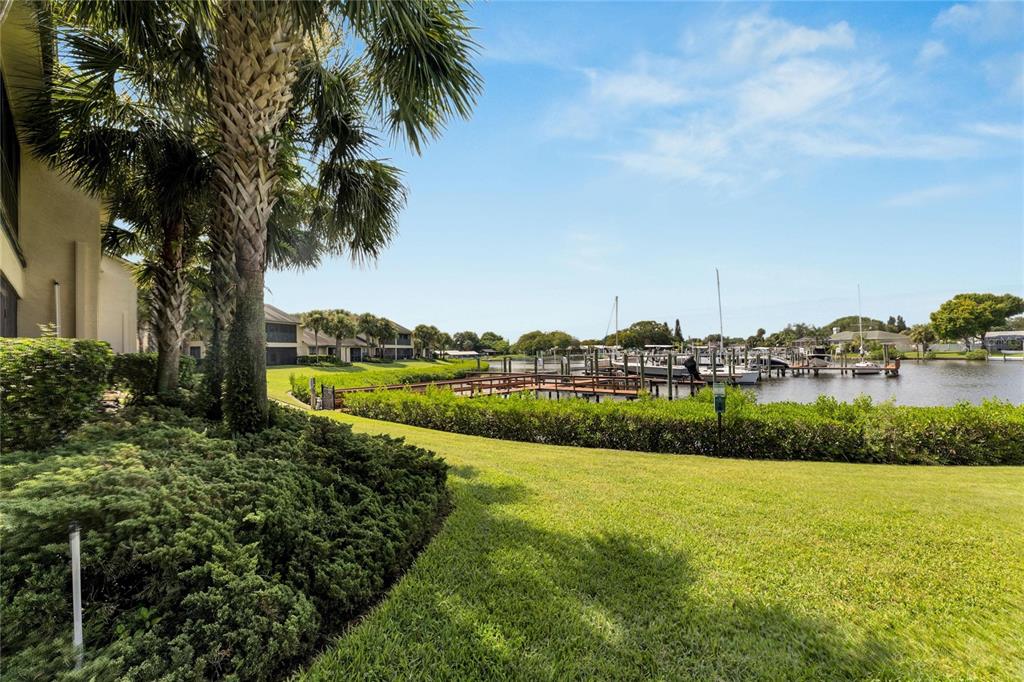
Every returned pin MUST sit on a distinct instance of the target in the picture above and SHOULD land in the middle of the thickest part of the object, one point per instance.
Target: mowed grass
(357, 374)
(568, 563)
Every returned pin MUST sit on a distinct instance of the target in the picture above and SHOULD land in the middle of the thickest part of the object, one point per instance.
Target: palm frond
(419, 64)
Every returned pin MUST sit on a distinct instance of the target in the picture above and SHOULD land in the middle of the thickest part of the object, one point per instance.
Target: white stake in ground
(76, 593)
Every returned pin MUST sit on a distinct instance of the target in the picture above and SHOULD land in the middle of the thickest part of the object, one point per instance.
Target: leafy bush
(976, 354)
(441, 371)
(992, 433)
(891, 353)
(204, 557)
(49, 386)
(137, 373)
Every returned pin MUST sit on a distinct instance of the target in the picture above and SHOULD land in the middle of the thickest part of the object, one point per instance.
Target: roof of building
(399, 328)
(276, 315)
(1014, 334)
(310, 338)
(324, 339)
(871, 335)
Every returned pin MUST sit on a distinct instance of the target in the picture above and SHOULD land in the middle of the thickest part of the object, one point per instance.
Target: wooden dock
(554, 385)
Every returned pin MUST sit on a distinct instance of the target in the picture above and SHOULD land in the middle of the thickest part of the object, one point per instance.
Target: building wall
(58, 225)
(118, 310)
(59, 235)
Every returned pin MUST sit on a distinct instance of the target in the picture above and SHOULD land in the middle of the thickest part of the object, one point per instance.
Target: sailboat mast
(721, 332)
(616, 320)
(860, 321)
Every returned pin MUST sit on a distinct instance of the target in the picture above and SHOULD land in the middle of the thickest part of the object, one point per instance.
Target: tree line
(964, 317)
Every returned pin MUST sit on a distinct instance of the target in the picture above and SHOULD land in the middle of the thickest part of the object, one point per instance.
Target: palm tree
(150, 168)
(425, 335)
(368, 325)
(315, 320)
(286, 85)
(415, 75)
(341, 325)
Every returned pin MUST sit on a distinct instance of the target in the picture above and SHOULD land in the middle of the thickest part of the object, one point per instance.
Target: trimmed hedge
(137, 373)
(204, 557)
(410, 375)
(321, 360)
(827, 430)
(49, 386)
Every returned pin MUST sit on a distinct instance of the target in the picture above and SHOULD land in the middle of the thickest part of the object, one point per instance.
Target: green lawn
(357, 374)
(567, 563)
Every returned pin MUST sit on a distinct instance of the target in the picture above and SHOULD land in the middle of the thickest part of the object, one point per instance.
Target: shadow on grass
(505, 599)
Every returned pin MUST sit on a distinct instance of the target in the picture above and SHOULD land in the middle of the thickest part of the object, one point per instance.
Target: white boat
(864, 366)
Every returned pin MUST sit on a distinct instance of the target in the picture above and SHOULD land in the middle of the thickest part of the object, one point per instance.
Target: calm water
(938, 382)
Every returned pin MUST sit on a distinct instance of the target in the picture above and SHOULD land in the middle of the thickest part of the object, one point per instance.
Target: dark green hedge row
(827, 430)
(137, 373)
(321, 360)
(49, 386)
(204, 557)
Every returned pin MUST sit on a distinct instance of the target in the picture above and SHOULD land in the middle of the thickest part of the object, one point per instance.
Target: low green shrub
(137, 373)
(976, 354)
(891, 353)
(328, 360)
(992, 433)
(203, 557)
(48, 387)
(440, 371)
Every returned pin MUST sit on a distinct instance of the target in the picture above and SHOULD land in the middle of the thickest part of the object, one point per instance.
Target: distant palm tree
(368, 325)
(341, 325)
(315, 321)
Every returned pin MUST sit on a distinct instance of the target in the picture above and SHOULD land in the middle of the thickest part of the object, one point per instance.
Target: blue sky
(630, 148)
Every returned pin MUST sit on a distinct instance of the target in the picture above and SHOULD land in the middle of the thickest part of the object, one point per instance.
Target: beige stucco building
(52, 269)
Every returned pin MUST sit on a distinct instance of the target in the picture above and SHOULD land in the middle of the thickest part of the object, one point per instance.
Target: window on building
(8, 309)
(280, 333)
(10, 163)
(281, 356)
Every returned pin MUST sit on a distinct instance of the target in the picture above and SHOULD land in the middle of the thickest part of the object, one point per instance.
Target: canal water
(934, 382)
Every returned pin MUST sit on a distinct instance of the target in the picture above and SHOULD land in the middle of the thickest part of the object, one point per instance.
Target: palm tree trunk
(251, 80)
(221, 293)
(169, 304)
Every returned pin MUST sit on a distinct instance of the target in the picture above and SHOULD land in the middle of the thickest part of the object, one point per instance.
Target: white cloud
(930, 51)
(626, 89)
(766, 39)
(588, 251)
(982, 20)
(778, 96)
(929, 195)
(1006, 73)
(884, 145)
(1012, 131)
(797, 87)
